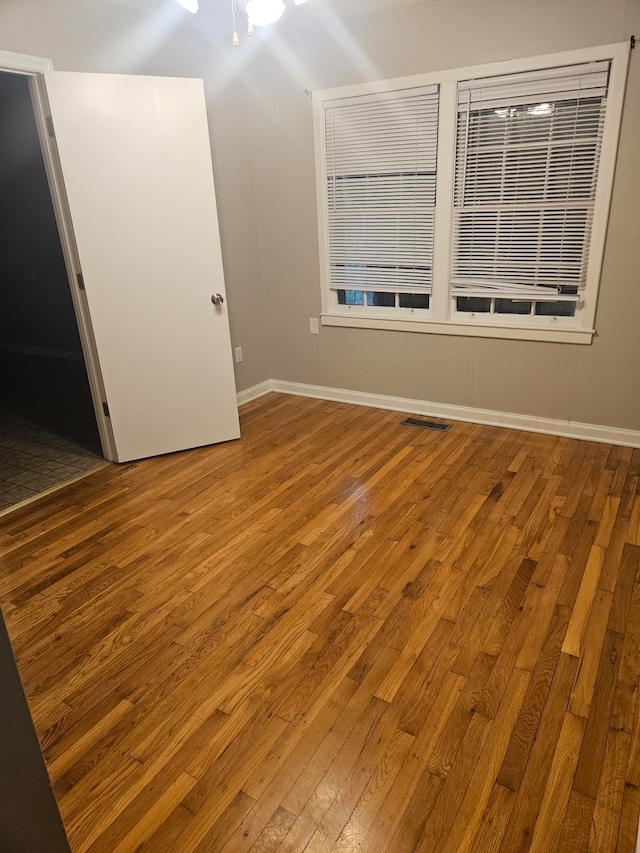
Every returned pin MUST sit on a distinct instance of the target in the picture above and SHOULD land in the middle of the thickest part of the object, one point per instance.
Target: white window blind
(527, 155)
(381, 153)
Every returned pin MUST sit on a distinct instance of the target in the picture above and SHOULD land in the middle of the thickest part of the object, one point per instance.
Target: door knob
(217, 299)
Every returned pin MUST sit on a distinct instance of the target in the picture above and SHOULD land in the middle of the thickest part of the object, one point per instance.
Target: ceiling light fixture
(189, 5)
(261, 13)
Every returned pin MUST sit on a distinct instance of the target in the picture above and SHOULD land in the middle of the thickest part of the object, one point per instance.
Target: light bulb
(189, 5)
(264, 12)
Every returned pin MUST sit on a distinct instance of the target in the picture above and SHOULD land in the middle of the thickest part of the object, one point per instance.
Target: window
(381, 190)
(527, 156)
(471, 201)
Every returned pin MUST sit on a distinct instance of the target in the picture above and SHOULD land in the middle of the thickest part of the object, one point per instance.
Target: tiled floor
(35, 457)
(48, 431)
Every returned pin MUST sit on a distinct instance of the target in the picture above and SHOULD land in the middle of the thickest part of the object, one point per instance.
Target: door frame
(34, 68)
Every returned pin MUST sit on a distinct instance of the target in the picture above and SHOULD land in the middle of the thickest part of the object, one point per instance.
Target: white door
(136, 164)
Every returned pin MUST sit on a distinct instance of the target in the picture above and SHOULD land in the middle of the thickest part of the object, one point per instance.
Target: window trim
(441, 319)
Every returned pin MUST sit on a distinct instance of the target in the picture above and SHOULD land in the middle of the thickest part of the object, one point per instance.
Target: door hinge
(80, 278)
(105, 409)
(50, 129)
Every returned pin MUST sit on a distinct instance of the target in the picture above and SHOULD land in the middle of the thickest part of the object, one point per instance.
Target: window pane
(381, 300)
(556, 309)
(509, 306)
(414, 300)
(350, 297)
(474, 304)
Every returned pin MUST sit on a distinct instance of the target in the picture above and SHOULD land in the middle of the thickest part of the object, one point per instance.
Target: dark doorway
(48, 431)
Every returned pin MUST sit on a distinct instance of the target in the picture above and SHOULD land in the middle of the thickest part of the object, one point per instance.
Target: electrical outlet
(238, 352)
(313, 326)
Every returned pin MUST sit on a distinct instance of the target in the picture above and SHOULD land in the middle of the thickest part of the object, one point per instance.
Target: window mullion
(444, 199)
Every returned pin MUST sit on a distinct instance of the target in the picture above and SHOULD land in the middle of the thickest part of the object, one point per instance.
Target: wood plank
(355, 832)
(608, 807)
(67, 759)
(576, 829)
(582, 608)
(476, 798)
(629, 818)
(416, 814)
(548, 827)
(493, 825)
(398, 800)
(228, 822)
(582, 694)
(526, 727)
(443, 815)
(155, 816)
(597, 728)
(462, 714)
(527, 806)
(626, 697)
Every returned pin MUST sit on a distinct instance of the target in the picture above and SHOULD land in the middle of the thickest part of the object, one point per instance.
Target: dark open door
(29, 816)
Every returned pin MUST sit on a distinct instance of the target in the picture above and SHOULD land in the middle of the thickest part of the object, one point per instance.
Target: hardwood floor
(338, 634)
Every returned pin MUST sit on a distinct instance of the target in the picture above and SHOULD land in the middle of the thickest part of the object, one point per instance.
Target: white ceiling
(368, 6)
(346, 7)
(214, 17)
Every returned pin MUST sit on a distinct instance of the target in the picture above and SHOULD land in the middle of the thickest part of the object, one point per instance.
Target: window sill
(562, 335)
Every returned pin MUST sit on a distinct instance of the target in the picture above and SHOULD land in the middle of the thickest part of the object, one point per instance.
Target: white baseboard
(529, 423)
(254, 392)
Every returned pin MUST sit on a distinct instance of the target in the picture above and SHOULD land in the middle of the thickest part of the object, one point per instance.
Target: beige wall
(594, 384)
(157, 37)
